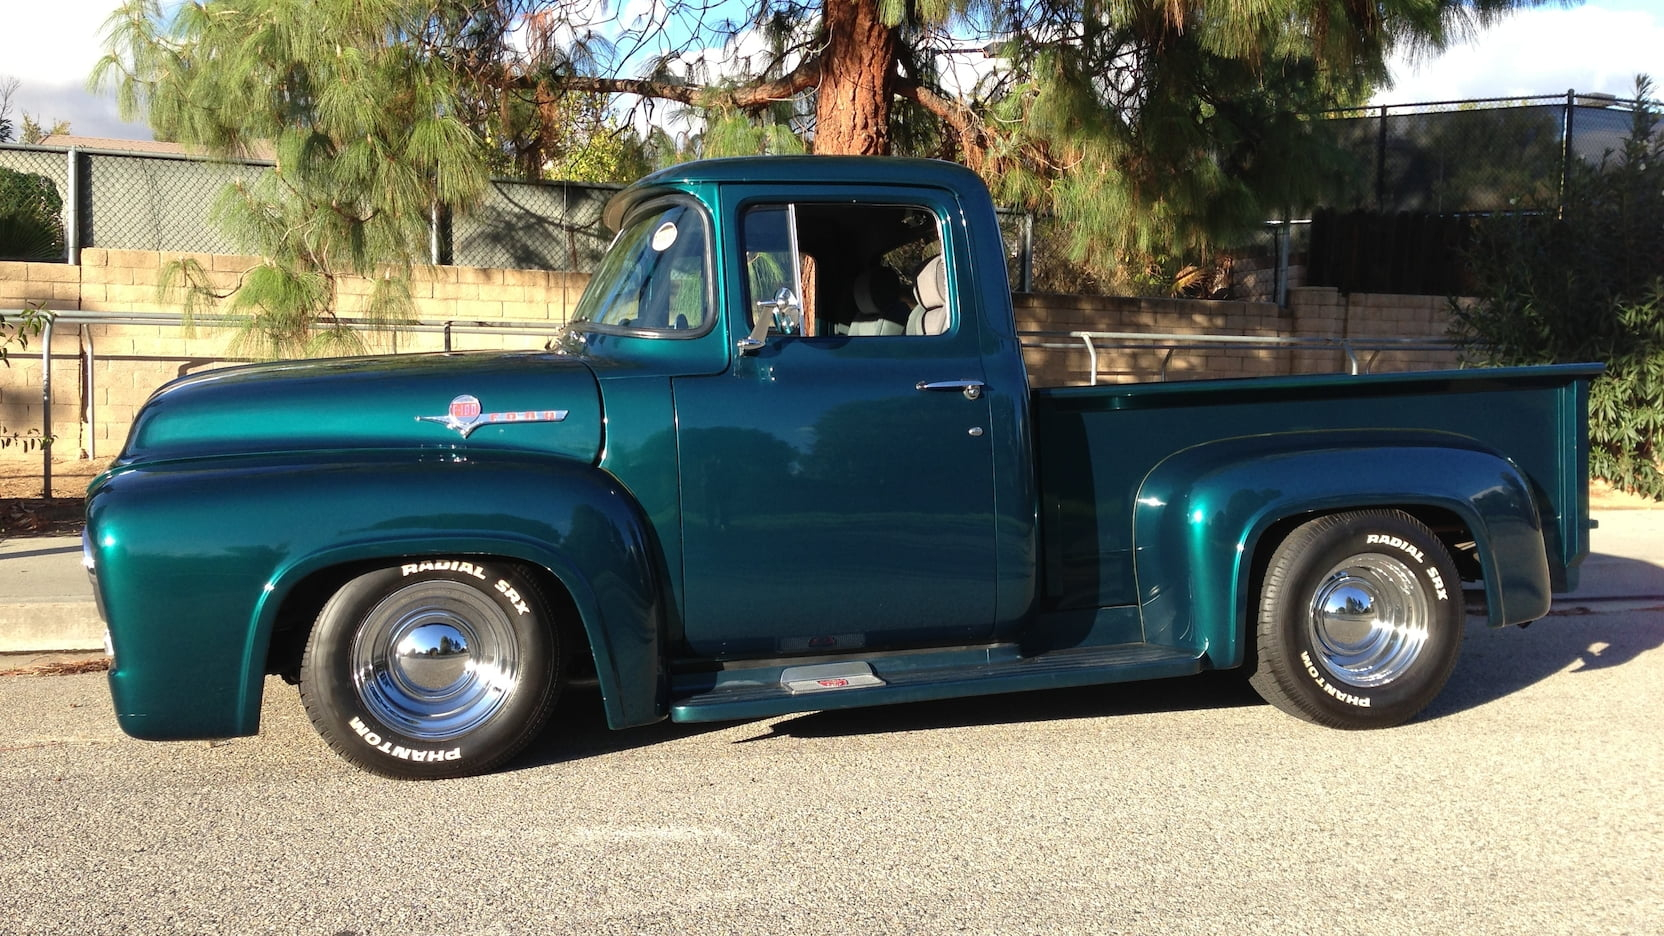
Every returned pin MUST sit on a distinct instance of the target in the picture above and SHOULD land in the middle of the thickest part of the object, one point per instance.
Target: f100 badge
(466, 416)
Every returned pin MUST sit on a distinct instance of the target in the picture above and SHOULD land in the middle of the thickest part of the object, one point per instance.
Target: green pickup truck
(789, 459)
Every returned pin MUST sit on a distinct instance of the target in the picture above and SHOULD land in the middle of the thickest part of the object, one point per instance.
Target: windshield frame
(638, 214)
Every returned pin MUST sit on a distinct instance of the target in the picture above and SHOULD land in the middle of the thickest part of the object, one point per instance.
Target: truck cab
(850, 407)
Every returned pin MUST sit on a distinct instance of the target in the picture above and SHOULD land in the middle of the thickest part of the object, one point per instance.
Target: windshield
(654, 276)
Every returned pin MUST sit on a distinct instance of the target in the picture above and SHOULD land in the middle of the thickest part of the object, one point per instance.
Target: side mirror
(783, 311)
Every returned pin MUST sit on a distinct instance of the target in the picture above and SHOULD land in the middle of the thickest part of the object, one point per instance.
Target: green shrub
(31, 217)
(1588, 285)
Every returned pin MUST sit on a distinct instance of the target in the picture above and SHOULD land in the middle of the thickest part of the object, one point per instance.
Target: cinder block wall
(131, 361)
(1313, 312)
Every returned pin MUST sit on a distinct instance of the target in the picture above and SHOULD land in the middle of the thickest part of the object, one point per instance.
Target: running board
(879, 680)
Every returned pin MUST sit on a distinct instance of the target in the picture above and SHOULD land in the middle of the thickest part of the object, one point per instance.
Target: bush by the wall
(31, 217)
(1588, 286)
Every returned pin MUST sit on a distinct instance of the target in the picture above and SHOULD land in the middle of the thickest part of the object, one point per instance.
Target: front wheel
(432, 668)
(1360, 620)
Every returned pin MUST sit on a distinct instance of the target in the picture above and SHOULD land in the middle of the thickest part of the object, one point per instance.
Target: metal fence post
(1028, 251)
(433, 234)
(72, 211)
(46, 408)
(1281, 290)
(1568, 127)
(1381, 162)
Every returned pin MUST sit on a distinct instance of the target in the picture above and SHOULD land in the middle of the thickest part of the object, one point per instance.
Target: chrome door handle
(971, 388)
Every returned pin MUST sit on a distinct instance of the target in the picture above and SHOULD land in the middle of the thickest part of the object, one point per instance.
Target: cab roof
(793, 170)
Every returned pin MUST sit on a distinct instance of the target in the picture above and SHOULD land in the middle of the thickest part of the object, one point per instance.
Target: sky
(1596, 47)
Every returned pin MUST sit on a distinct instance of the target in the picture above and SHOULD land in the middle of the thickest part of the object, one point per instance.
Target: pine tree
(1143, 125)
(360, 115)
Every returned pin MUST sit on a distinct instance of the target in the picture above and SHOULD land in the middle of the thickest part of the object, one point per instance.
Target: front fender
(1201, 515)
(195, 559)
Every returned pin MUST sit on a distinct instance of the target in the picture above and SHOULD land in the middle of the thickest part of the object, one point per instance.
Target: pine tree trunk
(852, 108)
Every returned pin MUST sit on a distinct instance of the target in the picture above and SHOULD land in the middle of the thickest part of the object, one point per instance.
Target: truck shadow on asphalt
(1199, 693)
(579, 730)
(1495, 663)
(1581, 635)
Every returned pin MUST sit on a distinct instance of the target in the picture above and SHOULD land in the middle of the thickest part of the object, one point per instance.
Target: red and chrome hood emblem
(466, 415)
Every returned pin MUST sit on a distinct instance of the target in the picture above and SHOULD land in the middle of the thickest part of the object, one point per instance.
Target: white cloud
(1595, 48)
(50, 48)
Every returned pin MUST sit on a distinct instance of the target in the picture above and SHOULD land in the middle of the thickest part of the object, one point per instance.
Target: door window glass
(855, 271)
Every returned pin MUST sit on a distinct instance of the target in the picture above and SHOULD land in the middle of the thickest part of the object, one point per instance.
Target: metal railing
(83, 320)
(1093, 341)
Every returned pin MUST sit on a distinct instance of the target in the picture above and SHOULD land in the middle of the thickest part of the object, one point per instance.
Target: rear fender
(237, 536)
(1202, 514)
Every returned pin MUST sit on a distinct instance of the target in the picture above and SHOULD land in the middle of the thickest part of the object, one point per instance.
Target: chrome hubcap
(435, 660)
(432, 657)
(1369, 620)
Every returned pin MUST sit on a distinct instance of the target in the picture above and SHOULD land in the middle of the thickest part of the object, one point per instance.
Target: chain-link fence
(55, 201)
(156, 203)
(534, 226)
(1395, 204)
(1017, 234)
(1412, 184)
(1471, 156)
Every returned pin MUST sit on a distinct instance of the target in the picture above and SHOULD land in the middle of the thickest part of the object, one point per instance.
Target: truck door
(837, 480)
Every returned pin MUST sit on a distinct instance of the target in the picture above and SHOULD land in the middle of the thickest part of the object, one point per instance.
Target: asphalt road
(1526, 801)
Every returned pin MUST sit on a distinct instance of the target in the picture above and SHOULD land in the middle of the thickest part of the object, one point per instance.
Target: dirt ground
(1602, 497)
(20, 476)
(24, 512)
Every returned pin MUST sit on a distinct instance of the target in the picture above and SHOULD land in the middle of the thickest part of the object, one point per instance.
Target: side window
(858, 271)
(654, 277)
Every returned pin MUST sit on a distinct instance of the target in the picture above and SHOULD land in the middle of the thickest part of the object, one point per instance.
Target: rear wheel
(1360, 620)
(432, 668)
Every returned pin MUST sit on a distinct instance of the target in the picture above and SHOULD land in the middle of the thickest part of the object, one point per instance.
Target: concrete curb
(46, 601)
(50, 626)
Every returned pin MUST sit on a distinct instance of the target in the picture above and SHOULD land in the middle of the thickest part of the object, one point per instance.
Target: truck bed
(1099, 446)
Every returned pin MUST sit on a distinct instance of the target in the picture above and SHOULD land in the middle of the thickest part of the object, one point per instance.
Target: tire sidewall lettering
(508, 592)
(1426, 569)
(412, 752)
(1418, 562)
(1330, 689)
(459, 566)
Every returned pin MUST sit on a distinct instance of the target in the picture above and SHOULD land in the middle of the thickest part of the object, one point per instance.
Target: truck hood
(512, 401)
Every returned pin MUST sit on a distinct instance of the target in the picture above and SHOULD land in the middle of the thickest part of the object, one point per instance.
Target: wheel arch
(1208, 519)
(1453, 528)
(303, 600)
(614, 642)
